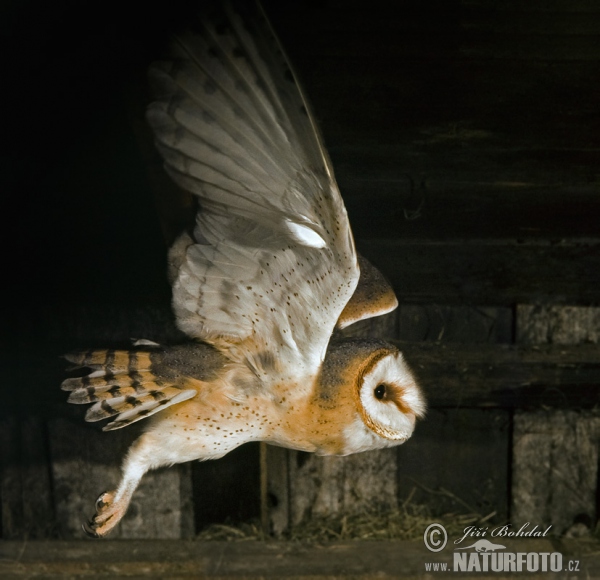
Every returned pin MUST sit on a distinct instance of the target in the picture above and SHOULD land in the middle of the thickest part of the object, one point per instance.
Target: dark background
(409, 94)
(449, 122)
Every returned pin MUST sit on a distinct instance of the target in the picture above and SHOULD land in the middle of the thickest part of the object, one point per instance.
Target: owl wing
(373, 296)
(271, 263)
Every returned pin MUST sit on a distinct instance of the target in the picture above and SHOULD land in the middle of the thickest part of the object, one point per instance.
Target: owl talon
(89, 530)
(104, 500)
(108, 515)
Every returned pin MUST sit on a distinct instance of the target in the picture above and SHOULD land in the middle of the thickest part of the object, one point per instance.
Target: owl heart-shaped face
(387, 395)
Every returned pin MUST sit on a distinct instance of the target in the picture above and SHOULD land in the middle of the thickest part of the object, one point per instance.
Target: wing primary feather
(304, 108)
(272, 262)
(228, 88)
(199, 122)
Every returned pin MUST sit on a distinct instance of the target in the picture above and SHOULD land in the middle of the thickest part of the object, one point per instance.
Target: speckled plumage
(268, 273)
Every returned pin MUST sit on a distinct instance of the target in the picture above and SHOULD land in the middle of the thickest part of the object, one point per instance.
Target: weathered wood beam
(260, 560)
(555, 469)
(555, 450)
(492, 272)
(414, 207)
(480, 375)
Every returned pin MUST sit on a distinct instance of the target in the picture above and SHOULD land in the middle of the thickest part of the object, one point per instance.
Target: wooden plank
(542, 47)
(538, 117)
(487, 272)
(555, 455)
(359, 560)
(25, 486)
(555, 468)
(38, 507)
(456, 324)
(227, 490)
(278, 489)
(492, 122)
(457, 441)
(503, 114)
(11, 486)
(557, 324)
(467, 462)
(339, 28)
(333, 28)
(506, 375)
(483, 272)
(336, 486)
(561, 6)
(495, 121)
(187, 527)
(557, 32)
(531, 23)
(444, 209)
(494, 107)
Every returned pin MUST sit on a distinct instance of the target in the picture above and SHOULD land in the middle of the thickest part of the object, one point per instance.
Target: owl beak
(410, 402)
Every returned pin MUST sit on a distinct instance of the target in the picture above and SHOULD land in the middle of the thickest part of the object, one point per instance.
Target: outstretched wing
(271, 263)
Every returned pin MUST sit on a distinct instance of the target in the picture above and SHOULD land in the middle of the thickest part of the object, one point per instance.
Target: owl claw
(105, 519)
(103, 501)
(88, 528)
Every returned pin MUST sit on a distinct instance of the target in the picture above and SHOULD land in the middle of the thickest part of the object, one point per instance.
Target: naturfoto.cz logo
(484, 555)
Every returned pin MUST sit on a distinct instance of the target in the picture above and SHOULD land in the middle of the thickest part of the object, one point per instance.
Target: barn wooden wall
(465, 138)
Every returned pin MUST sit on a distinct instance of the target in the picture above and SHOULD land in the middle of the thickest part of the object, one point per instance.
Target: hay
(408, 522)
(232, 532)
(405, 523)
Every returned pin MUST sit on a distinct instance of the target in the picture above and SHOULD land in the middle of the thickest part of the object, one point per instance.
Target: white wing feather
(272, 263)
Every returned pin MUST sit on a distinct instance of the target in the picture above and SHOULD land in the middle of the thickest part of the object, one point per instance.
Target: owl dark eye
(380, 391)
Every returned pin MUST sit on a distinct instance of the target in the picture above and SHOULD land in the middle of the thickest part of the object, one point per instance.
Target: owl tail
(123, 383)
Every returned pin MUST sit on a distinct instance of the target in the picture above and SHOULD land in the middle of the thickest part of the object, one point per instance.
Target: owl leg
(112, 505)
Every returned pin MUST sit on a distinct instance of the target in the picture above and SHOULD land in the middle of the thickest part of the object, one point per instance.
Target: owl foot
(108, 514)
(112, 505)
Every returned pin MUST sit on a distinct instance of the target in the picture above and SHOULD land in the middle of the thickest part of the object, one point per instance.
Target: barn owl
(268, 273)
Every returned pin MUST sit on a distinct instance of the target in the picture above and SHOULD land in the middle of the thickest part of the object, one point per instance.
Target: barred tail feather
(122, 383)
(112, 361)
(90, 389)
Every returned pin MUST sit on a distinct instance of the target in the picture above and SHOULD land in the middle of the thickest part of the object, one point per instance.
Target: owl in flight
(267, 275)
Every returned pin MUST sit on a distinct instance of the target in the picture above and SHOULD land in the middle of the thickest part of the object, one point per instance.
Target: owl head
(370, 380)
